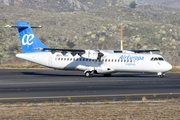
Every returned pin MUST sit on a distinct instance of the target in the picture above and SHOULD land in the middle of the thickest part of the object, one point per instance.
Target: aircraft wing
(142, 51)
(83, 51)
(80, 51)
(90, 54)
(63, 50)
(135, 51)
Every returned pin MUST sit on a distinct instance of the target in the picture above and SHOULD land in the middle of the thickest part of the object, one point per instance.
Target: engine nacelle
(92, 54)
(104, 70)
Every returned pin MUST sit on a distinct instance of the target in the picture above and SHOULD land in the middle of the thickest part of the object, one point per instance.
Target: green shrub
(132, 4)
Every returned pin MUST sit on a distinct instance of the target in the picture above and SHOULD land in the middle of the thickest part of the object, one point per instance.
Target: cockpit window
(157, 59)
(161, 59)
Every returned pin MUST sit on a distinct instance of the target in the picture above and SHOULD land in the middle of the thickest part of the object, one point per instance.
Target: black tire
(161, 76)
(107, 75)
(88, 74)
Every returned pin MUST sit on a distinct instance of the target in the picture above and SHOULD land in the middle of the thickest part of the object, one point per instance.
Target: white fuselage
(109, 63)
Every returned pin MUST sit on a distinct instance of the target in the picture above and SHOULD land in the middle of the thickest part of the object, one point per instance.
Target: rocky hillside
(172, 4)
(94, 29)
(167, 3)
(86, 5)
(63, 5)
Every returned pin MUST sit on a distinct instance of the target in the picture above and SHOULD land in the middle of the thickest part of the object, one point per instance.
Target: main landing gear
(88, 73)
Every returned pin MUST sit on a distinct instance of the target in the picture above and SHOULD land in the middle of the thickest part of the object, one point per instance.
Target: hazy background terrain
(93, 24)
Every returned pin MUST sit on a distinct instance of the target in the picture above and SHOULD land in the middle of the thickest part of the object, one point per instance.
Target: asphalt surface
(40, 85)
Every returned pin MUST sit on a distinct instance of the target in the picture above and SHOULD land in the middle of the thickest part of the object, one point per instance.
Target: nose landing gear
(161, 75)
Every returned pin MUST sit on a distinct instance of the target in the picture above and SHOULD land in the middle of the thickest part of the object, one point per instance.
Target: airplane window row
(157, 59)
(115, 60)
(103, 60)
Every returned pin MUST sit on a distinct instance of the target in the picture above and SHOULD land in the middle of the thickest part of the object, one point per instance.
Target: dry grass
(175, 69)
(29, 65)
(124, 111)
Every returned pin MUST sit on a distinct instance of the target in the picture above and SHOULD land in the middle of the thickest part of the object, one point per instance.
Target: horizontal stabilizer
(9, 26)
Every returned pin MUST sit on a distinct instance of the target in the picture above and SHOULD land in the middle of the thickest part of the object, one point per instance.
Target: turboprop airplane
(89, 61)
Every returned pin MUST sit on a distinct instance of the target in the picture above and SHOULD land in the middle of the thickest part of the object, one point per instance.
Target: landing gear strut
(161, 75)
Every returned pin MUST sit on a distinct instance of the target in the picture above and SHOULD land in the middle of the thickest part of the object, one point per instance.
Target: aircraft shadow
(143, 75)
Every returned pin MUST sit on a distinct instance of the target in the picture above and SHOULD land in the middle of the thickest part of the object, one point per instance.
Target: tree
(132, 4)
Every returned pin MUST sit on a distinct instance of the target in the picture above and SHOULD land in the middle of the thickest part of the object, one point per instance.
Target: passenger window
(152, 59)
(127, 60)
(79, 59)
(89, 59)
(124, 60)
(83, 59)
(131, 61)
(105, 60)
(70, 59)
(64, 59)
(109, 60)
(115, 60)
(121, 60)
(112, 60)
(118, 60)
(67, 59)
(86, 59)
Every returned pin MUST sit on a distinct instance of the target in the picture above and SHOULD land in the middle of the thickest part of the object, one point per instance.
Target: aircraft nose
(168, 66)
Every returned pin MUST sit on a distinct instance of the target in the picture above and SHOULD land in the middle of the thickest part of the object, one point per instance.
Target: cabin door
(50, 61)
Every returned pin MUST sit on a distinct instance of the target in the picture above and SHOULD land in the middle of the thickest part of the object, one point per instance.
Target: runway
(40, 85)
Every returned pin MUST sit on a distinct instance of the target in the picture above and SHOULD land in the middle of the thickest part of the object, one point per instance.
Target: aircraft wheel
(88, 74)
(161, 76)
(107, 75)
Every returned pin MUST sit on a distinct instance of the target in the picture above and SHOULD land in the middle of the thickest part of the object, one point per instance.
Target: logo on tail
(27, 39)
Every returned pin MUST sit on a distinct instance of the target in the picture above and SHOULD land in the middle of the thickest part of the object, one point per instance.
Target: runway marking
(56, 97)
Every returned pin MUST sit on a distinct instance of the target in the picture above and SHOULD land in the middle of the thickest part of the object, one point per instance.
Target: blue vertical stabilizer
(28, 40)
